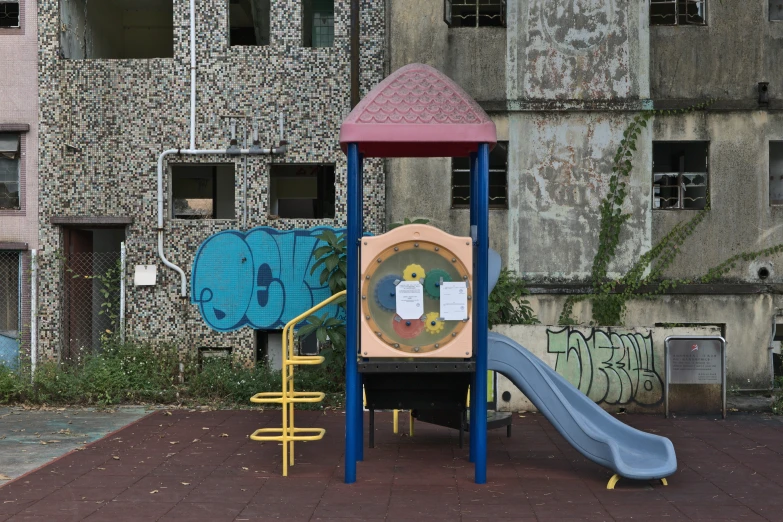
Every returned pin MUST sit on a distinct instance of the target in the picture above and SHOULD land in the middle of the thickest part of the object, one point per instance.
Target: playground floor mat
(201, 466)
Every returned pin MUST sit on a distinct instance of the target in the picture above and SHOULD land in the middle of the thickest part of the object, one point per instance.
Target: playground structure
(416, 301)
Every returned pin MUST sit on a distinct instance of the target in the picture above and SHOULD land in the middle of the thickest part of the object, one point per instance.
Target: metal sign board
(695, 360)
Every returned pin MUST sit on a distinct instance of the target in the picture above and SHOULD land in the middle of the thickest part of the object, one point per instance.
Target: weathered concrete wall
(724, 59)
(618, 368)
(585, 50)
(741, 218)
(473, 57)
(746, 321)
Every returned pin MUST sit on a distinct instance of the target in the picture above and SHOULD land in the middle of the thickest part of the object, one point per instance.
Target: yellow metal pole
(396, 421)
(410, 416)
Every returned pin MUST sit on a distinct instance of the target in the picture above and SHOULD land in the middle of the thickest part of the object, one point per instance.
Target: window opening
(680, 175)
(678, 12)
(474, 13)
(318, 23)
(498, 179)
(249, 22)
(9, 13)
(776, 10)
(116, 29)
(203, 191)
(10, 304)
(10, 153)
(301, 191)
(776, 173)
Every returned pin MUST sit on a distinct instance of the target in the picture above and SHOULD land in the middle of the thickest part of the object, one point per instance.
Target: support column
(353, 394)
(480, 317)
(473, 184)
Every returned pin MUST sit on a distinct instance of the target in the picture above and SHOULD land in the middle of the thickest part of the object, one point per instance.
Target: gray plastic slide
(588, 428)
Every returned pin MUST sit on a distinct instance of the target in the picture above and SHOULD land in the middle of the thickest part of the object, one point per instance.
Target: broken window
(301, 191)
(680, 175)
(202, 192)
(116, 29)
(318, 23)
(249, 22)
(776, 10)
(10, 153)
(474, 13)
(9, 13)
(678, 12)
(776, 173)
(498, 179)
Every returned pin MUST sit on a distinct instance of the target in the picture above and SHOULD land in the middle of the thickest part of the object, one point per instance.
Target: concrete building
(18, 171)
(562, 81)
(116, 92)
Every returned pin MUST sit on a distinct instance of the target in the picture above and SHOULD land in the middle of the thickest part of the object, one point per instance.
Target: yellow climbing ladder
(288, 397)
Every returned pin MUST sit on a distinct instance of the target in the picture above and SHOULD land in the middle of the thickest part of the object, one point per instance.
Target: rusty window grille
(10, 306)
(9, 13)
(474, 13)
(9, 170)
(680, 175)
(498, 179)
(776, 174)
(678, 12)
(776, 10)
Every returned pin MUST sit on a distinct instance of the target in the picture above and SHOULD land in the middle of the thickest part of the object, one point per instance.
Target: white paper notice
(453, 301)
(410, 299)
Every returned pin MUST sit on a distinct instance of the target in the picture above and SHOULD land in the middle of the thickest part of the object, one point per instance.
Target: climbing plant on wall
(644, 279)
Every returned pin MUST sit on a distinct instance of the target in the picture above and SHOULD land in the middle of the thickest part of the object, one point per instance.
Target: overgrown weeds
(131, 372)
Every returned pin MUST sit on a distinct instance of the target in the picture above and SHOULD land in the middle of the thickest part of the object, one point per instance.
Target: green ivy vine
(644, 280)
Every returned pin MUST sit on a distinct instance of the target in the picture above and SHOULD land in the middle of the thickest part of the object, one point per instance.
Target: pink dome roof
(417, 112)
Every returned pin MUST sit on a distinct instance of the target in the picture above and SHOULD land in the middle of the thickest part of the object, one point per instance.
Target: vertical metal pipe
(480, 317)
(354, 53)
(473, 180)
(353, 402)
(122, 292)
(33, 312)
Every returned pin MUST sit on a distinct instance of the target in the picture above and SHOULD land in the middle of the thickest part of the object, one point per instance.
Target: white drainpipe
(33, 313)
(192, 151)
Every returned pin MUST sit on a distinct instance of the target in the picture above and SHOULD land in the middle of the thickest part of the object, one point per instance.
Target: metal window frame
(466, 205)
(676, 4)
(448, 12)
(680, 180)
(21, 176)
(19, 18)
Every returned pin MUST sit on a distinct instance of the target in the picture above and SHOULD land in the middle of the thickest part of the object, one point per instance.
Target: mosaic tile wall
(120, 114)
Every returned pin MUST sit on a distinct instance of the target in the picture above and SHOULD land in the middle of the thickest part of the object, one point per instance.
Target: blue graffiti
(260, 278)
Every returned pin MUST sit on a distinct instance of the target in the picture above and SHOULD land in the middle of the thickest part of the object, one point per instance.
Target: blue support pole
(478, 410)
(353, 394)
(473, 184)
(359, 381)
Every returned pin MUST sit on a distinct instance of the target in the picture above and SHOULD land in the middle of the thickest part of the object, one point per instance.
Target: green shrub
(507, 303)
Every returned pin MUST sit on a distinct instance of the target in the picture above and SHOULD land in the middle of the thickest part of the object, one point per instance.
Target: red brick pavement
(201, 466)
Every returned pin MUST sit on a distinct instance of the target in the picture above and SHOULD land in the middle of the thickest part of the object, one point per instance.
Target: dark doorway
(91, 288)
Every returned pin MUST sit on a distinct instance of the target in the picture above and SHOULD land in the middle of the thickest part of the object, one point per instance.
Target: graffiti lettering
(259, 279)
(608, 366)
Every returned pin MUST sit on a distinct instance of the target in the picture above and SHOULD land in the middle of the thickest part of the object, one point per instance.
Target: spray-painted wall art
(260, 278)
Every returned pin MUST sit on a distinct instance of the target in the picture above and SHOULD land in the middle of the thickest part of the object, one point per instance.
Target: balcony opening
(249, 22)
(202, 192)
(301, 191)
(317, 23)
(116, 29)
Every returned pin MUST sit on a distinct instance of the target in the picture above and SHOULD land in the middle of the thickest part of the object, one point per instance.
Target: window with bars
(9, 13)
(498, 179)
(9, 170)
(678, 12)
(776, 174)
(680, 175)
(318, 23)
(474, 13)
